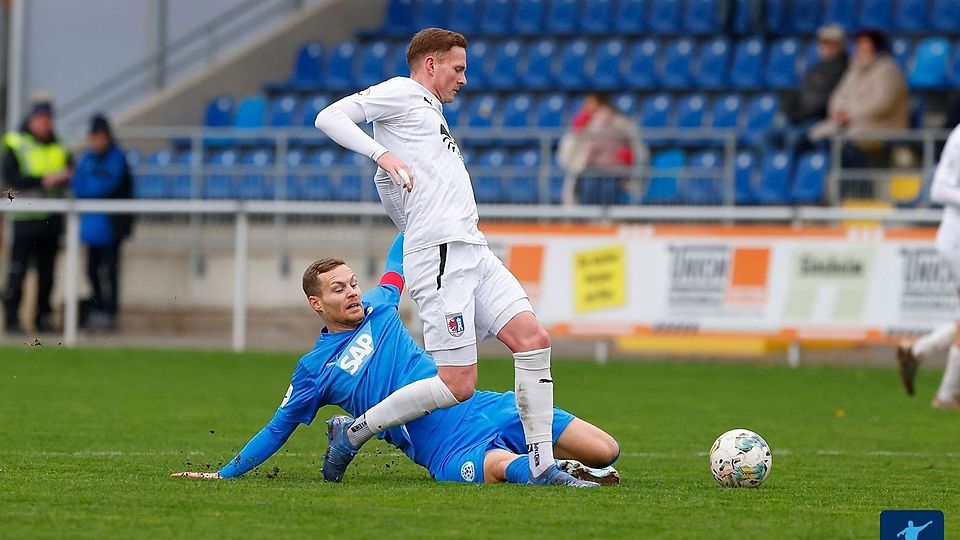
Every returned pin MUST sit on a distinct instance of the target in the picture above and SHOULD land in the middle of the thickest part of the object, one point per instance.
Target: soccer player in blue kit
(364, 353)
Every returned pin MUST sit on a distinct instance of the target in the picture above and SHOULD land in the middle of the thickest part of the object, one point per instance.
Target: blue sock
(518, 471)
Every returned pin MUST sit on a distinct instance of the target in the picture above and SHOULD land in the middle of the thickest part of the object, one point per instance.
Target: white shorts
(464, 294)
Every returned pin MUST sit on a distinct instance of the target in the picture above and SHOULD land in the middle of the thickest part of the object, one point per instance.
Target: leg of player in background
(910, 355)
(948, 395)
(533, 384)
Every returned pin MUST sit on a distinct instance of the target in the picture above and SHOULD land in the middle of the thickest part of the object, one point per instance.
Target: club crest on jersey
(455, 324)
(468, 471)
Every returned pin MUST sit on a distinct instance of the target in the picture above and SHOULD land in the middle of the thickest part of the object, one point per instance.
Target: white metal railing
(241, 210)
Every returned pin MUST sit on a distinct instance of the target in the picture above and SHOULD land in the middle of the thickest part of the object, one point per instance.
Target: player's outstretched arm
(263, 445)
(339, 121)
(391, 283)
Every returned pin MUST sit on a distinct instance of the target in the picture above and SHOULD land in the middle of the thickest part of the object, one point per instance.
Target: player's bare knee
(462, 387)
(604, 452)
(534, 340)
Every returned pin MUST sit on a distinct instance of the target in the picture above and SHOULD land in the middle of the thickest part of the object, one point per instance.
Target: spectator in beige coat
(872, 95)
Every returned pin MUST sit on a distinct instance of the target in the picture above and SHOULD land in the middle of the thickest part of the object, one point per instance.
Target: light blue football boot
(554, 476)
(339, 450)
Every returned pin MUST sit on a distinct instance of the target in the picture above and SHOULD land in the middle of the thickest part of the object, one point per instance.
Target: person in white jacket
(944, 190)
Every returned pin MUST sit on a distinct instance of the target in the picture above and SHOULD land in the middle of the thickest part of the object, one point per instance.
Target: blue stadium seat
(743, 168)
(538, 73)
(477, 55)
(429, 14)
(911, 15)
(702, 185)
(663, 188)
(675, 70)
(307, 67)
(373, 60)
(293, 186)
(810, 178)
(712, 64)
(775, 14)
(839, 12)
(725, 113)
(655, 111)
(629, 17)
(522, 186)
(875, 14)
(761, 116)
(504, 69)
(133, 157)
(803, 17)
(311, 106)
(953, 70)
(929, 66)
(782, 63)
(597, 16)
(775, 175)
(396, 65)
(605, 71)
(398, 21)
(152, 183)
(250, 112)
(516, 111)
(690, 111)
(702, 16)
(218, 183)
(355, 174)
(487, 186)
(945, 15)
(571, 66)
(180, 184)
(664, 16)
(318, 184)
(627, 103)
(528, 17)
(495, 17)
(464, 17)
(282, 111)
(747, 68)
(641, 65)
(339, 75)
(551, 111)
(482, 110)
(744, 18)
(219, 112)
(900, 49)
(256, 184)
(563, 17)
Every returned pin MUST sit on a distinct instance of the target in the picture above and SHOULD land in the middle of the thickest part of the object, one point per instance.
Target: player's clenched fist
(200, 475)
(397, 169)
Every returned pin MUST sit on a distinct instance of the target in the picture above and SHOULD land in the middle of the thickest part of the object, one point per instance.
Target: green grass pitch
(89, 437)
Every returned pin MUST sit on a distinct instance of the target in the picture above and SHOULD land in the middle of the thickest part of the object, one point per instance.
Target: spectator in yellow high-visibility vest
(34, 164)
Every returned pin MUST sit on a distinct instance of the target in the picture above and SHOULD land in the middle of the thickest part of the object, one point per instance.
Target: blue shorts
(492, 422)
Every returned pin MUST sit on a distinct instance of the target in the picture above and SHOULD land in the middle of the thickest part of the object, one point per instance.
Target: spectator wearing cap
(807, 105)
(102, 173)
(872, 95)
(34, 164)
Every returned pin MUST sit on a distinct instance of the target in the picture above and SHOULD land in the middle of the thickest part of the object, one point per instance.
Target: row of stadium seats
(580, 64)
(478, 18)
(499, 176)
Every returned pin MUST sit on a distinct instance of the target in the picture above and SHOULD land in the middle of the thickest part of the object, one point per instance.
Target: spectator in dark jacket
(102, 173)
(808, 104)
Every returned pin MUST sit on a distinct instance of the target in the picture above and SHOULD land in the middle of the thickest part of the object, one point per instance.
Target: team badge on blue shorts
(455, 324)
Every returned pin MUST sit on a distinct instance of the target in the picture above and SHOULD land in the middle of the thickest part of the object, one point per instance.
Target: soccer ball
(740, 458)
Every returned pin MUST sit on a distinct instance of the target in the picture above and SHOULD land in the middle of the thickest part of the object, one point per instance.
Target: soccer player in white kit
(463, 291)
(946, 191)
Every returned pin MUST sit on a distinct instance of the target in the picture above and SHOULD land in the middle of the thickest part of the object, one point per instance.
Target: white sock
(939, 339)
(413, 401)
(950, 384)
(534, 389)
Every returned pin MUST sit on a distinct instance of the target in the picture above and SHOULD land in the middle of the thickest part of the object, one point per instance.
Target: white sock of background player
(534, 391)
(950, 384)
(410, 402)
(937, 340)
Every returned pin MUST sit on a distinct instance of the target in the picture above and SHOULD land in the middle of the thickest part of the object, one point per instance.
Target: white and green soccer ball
(740, 458)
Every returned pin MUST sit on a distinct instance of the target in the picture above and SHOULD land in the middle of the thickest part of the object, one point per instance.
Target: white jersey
(408, 121)
(946, 190)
